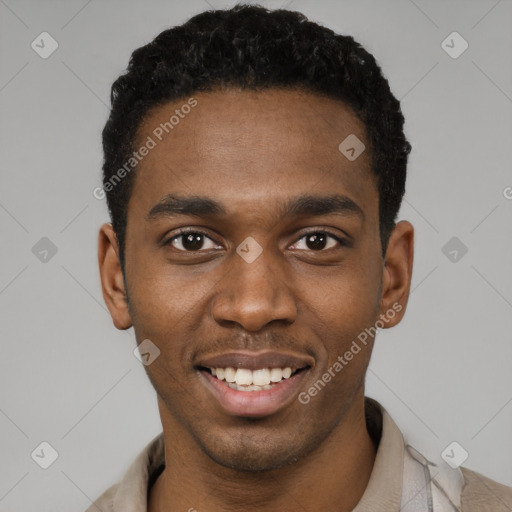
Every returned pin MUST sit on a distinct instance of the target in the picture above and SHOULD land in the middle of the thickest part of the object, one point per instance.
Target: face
(253, 247)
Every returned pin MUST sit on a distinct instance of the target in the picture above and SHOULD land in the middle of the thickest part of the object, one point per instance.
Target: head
(241, 113)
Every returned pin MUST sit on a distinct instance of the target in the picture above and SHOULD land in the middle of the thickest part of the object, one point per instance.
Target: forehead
(247, 148)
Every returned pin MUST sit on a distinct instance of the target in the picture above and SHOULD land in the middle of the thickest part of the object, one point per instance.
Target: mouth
(256, 385)
(243, 379)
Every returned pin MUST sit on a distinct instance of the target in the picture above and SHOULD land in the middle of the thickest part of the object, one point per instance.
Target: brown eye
(318, 241)
(190, 241)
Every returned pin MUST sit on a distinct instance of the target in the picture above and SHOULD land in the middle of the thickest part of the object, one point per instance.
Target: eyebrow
(306, 205)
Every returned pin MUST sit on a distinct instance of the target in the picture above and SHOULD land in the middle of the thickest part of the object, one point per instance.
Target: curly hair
(251, 47)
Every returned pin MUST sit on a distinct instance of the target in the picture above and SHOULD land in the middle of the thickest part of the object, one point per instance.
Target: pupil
(193, 241)
(316, 241)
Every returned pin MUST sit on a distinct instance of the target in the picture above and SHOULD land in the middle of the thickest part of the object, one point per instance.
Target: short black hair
(252, 47)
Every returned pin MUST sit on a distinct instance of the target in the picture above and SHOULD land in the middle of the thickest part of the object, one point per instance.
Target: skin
(252, 152)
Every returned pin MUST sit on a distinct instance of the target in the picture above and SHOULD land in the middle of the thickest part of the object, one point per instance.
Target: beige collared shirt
(385, 491)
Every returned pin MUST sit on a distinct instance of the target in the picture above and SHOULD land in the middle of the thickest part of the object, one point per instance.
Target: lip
(256, 360)
(253, 403)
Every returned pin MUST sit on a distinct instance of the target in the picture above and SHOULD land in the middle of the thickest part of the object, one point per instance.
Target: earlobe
(112, 283)
(397, 273)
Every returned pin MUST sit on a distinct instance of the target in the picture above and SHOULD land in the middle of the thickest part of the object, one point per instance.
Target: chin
(253, 462)
(251, 453)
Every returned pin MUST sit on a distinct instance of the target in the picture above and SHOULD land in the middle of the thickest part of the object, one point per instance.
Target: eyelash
(181, 232)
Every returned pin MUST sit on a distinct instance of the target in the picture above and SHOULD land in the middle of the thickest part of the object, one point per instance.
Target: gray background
(69, 378)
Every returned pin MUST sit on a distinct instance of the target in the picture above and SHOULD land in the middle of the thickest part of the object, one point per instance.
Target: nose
(254, 294)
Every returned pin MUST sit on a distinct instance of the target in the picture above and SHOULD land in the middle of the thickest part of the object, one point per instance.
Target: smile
(253, 384)
(244, 379)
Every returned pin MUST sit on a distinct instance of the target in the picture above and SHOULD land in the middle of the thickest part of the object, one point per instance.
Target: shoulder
(130, 493)
(483, 494)
(105, 503)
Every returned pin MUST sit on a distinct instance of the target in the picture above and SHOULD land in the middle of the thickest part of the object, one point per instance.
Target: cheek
(349, 295)
(346, 345)
(162, 292)
(342, 307)
(168, 305)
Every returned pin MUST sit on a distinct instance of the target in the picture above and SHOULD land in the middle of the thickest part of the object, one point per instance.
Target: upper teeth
(245, 377)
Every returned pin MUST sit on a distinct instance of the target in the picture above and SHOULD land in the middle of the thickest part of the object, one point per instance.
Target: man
(254, 166)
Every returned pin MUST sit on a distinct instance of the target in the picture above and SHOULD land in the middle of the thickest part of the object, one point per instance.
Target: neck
(333, 477)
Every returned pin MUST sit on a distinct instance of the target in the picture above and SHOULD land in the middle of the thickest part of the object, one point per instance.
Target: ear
(112, 283)
(396, 280)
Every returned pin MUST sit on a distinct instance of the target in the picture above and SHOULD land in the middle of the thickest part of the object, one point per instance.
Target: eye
(195, 241)
(319, 241)
(191, 241)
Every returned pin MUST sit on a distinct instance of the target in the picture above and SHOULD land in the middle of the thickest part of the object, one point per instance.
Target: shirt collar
(132, 492)
(382, 494)
(384, 490)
